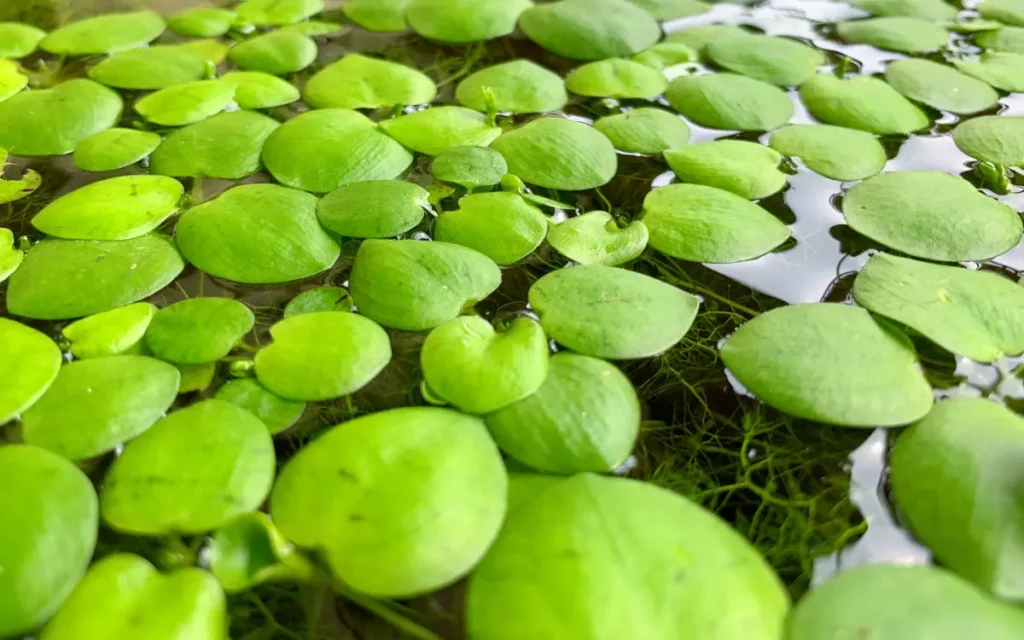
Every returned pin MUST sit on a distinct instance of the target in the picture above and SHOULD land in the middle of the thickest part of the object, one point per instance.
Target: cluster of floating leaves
(503, 472)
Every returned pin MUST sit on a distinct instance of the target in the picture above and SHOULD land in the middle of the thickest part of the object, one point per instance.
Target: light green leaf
(373, 209)
(226, 146)
(500, 225)
(939, 86)
(114, 149)
(1005, 11)
(277, 12)
(771, 59)
(377, 15)
(936, 10)
(461, 21)
(1009, 39)
(672, 9)
(249, 551)
(997, 139)
(519, 86)
(29, 362)
(834, 152)
(747, 169)
(51, 122)
(325, 298)
(111, 332)
(616, 78)
(360, 82)
(156, 67)
(12, 80)
(186, 103)
(196, 377)
(14, 190)
(108, 33)
(314, 28)
(590, 29)
(202, 22)
(433, 131)
(666, 54)
(895, 33)
(10, 255)
(861, 102)
(558, 154)
(258, 90)
(645, 130)
(469, 167)
(18, 40)
(730, 101)
(275, 412)
(198, 330)
(698, 37)
(596, 238)
(1003, 71)
(277, 52)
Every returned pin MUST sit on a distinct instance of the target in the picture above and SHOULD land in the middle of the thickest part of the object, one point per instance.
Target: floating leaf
(110, 332)
(10, 255)
(745, 168)
(730, 101)
(226, 146)
(158, 486)
(257, 234)
(18, 40)
(585, 417)
(666, 54)
(275, 412)
(861, 102)
(469, 167)
(878, 597)
(771, 59)
(590, 29)
(29, 362)
(645, 130)
(1005, 11)
(612, 313)
(500, 225)
(13, 190)
(413, 285)
(186, 103)
(258, 90)
(473, 367)
(114, 149)
(672, 9)
(322, 355)
(559, 569)
(322, 150)
(616, 78)
(318, 28)
(319, 299)
(460, 21)
(700, 36)
(377, 15)
(596, 238)
(940, 86)
(198, 330)
(831, 363)
(94, 405)
(114, 209)
(936, 10)
(834, 152)
(1003, 71)
(63, 279)
(151, 68)
(373, 209)
(996, 139)
(954, 479)
(704, 224)
(360, 82)
(49, 505)
(445, 486)
(519, 86)
(12, 80)
(213, 50)
(277, 52)
(277, 12)
(941, 217)
(250, 550)
(202, 22)
(196, 377)
(124, 594)
(108, 33)
(433, 131)
(51, 122)
(896, 33)
(1009, 39)
(558, 154)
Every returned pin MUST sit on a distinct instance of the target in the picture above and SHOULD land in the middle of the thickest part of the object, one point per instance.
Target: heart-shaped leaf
(558, 154)
(377, 15)
(198, 330)
(616, 78)
(186, 103)
(895, 33)
(590, 29)
(29, 362)
(373, 209)
(779, 61)
(940, 86)
(861, 102)
(518, 86)
(202, 22)
(114, 149)
(110, 332)
(275, 412)
(997, 139)
(258, 90)
(745, 168)
(108, 33)
(672, 9)
(360, 82)
(937, 10)
(730, 101)
(151, 68)
(226, 146)
(18, 40)
(469, 167)
(277, 12)
(645, 130)
(277, 52)
(834, 152)
(461, 21)
(433, 131)
(597, 238)
(51, 122)
(319, 299)
(500, 225)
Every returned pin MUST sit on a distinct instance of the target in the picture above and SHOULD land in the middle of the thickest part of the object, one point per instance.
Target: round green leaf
(202, 22)
(1003, 71)
(373, 209)
(277, 52)
(213, 50)
(277, 12)
(997, 139)
(698, 37)
(665, 569)
(1009, 39)
(258, 90)
(159, 485)
(275, 412)
(616, 78)
(880, 597)
(322, 150)
(940, 86)
(414, 285)
(953, 479)
(360, 82)
(558, 154)
(1005, 11)
(50, 526)
(672, 9)
(322, 355)
(645, 130)
(666, 54)
(198, 330)
(10, 255)
(250, 550)
(936, 10)
(519, 86)
(461, 21)
(108, 33)
(402, 502)
(114, 209)
(257, 234)
(186, 103)
(95, 405)
(704, 224)
(63, 279)
(473, 367)
(729, 101)
(29, 362)
(861, 102)
(747, 169)
(196, 377)
(122, 594)
(151, 68)
(319, 299)
(590, 29)
(771, 59)
(114, 149)
(834, 152)
(941, 217)
(110, 332)
(596, 238)
(585, 417)
(612, 313)
(433, 131)
(500, 225)
(226, 146)
(831, 363)
(469, 167)
(51, 122)
(377, 15)
(18, 40)
(12, 80)
(896, 33)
